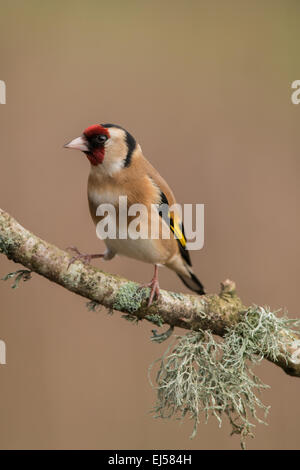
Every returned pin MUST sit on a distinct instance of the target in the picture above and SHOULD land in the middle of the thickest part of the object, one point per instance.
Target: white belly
(140, 249)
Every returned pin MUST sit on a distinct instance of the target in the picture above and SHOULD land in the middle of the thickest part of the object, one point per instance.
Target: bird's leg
(154, 286)
(86, 259)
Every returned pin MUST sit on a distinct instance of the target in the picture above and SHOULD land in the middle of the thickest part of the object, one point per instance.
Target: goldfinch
(119, 168)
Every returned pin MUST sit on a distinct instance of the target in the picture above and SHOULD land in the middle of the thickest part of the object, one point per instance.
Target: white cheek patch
(108, 144)
(115, 133)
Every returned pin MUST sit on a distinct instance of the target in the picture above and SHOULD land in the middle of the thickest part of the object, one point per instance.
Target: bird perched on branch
(119, 168)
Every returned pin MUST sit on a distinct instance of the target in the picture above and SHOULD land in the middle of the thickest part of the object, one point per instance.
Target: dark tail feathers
(192, 282)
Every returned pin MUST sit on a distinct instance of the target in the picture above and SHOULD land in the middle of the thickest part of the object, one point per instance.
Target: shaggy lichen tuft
(199, 374)
(129, 298)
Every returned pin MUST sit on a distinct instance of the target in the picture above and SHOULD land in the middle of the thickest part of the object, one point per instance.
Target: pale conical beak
(79, 144)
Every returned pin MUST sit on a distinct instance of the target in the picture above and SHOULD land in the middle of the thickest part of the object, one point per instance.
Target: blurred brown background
(205, 88)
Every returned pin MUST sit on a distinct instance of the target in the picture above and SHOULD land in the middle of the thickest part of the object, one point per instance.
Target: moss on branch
(215, 313)
(198, 373)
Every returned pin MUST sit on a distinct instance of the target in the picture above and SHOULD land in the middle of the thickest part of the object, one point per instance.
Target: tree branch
(211, 312)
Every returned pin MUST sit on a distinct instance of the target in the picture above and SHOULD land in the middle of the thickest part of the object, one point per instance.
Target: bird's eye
(100, 139)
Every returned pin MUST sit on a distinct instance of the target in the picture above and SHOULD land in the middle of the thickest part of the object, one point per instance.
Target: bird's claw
(154, 292)
(86, 259)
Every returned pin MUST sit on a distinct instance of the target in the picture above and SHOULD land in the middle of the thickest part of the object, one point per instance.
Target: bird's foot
(86, 259)
(154, 292)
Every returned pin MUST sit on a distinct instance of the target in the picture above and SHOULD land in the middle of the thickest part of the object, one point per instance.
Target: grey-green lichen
(155, 318)
(93, 306)
(130, 318)
(6, 245)
(177, 295)
(200, 374)
(21, 274)
(129, 298)
(160, 338)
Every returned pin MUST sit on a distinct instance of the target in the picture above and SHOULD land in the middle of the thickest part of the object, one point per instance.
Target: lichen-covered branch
(215, 313)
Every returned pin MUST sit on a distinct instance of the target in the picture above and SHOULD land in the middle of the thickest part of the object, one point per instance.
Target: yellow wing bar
(176, 229)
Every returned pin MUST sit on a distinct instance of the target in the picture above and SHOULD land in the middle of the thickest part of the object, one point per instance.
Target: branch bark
(213, 312)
